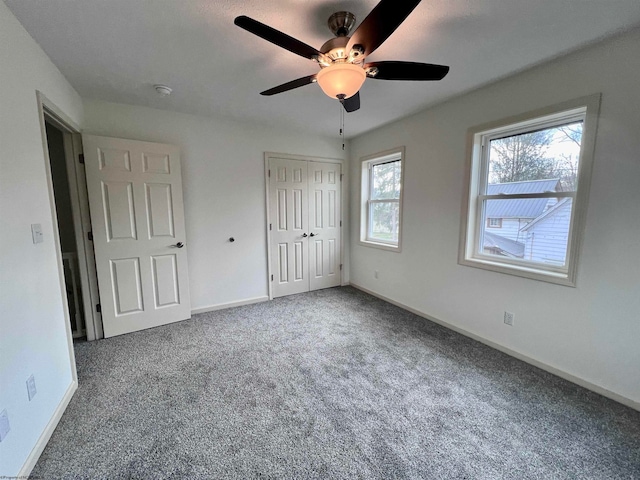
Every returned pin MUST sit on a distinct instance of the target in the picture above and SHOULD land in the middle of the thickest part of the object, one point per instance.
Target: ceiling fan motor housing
(336, 48)
(341, 24)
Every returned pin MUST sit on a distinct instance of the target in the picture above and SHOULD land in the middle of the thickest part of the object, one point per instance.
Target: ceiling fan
(342, 59)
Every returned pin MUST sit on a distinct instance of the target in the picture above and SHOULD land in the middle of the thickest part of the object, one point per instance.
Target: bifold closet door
(324, 225)
(304, 210)
(289, 215)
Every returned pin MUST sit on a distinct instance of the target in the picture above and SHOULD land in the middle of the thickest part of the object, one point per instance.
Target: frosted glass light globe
(341, 79)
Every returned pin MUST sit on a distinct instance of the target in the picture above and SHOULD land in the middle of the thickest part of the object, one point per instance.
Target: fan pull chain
(342, 124)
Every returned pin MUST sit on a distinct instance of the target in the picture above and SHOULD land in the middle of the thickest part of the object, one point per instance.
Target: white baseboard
(520, 356)
(222, 306)
(33, 457)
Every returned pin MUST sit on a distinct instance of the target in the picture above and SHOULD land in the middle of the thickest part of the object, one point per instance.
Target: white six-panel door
(304, 211)
(137, 217)
(289, 213)
(324, 225)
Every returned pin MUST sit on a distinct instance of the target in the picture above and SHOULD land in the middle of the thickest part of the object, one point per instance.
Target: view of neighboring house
(535, 229)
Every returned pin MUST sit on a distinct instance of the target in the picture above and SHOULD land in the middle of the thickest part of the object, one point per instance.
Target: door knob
(304, 235)
(179, 245)
(312, 234)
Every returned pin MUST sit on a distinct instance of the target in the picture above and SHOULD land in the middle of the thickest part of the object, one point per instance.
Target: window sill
(531, 272)
(380, 245)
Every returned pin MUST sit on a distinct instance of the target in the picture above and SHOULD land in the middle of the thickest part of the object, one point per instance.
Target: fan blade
(299, 82)
(380, 24)
(352, 103)
(408, 71)
(277, 37)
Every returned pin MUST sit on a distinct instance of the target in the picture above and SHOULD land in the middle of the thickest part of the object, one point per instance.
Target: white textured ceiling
(117, 50)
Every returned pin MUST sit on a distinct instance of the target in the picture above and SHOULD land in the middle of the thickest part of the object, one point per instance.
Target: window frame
(470, 253)
(366, 184)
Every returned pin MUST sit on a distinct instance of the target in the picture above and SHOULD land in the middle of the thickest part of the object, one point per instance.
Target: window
(381, 214)
(528, 190)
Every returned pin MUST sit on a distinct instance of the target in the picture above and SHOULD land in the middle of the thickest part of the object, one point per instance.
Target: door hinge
(81, 158)
(340, 266)
(340, 222)
(270, 226)
(98, 308)
(272, 278)
(90, 236)
(341, 175)
(269, 172)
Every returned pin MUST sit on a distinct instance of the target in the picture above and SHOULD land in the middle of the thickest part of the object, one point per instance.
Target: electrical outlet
(31, 387)
(375, 274)
(4, 424)
(508, 318)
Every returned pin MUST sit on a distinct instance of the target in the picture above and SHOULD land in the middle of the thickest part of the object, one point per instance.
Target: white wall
(32, 330)
(591, 332)
(224, 190)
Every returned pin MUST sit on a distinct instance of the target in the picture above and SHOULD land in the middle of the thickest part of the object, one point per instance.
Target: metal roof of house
(549, 213)
(511, 247)
(520, 207)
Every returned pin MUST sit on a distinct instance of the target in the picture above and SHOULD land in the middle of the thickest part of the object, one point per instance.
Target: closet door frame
(343, 207)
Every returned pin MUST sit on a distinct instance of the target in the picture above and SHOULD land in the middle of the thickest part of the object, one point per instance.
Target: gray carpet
(329, 384)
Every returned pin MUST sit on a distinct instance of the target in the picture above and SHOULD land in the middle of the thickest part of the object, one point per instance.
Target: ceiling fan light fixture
(341, 79)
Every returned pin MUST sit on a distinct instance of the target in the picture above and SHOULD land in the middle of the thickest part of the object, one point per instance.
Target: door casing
(80, 210)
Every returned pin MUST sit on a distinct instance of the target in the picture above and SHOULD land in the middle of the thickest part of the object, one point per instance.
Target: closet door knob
(179, 245)
(304, 235)
(312, 234)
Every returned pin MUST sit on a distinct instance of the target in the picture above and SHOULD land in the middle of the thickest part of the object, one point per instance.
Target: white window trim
(397, 153)
(476, 179)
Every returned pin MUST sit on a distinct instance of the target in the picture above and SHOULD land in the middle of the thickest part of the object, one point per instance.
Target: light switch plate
(4, 424)
(36, 233)
(31, 387)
